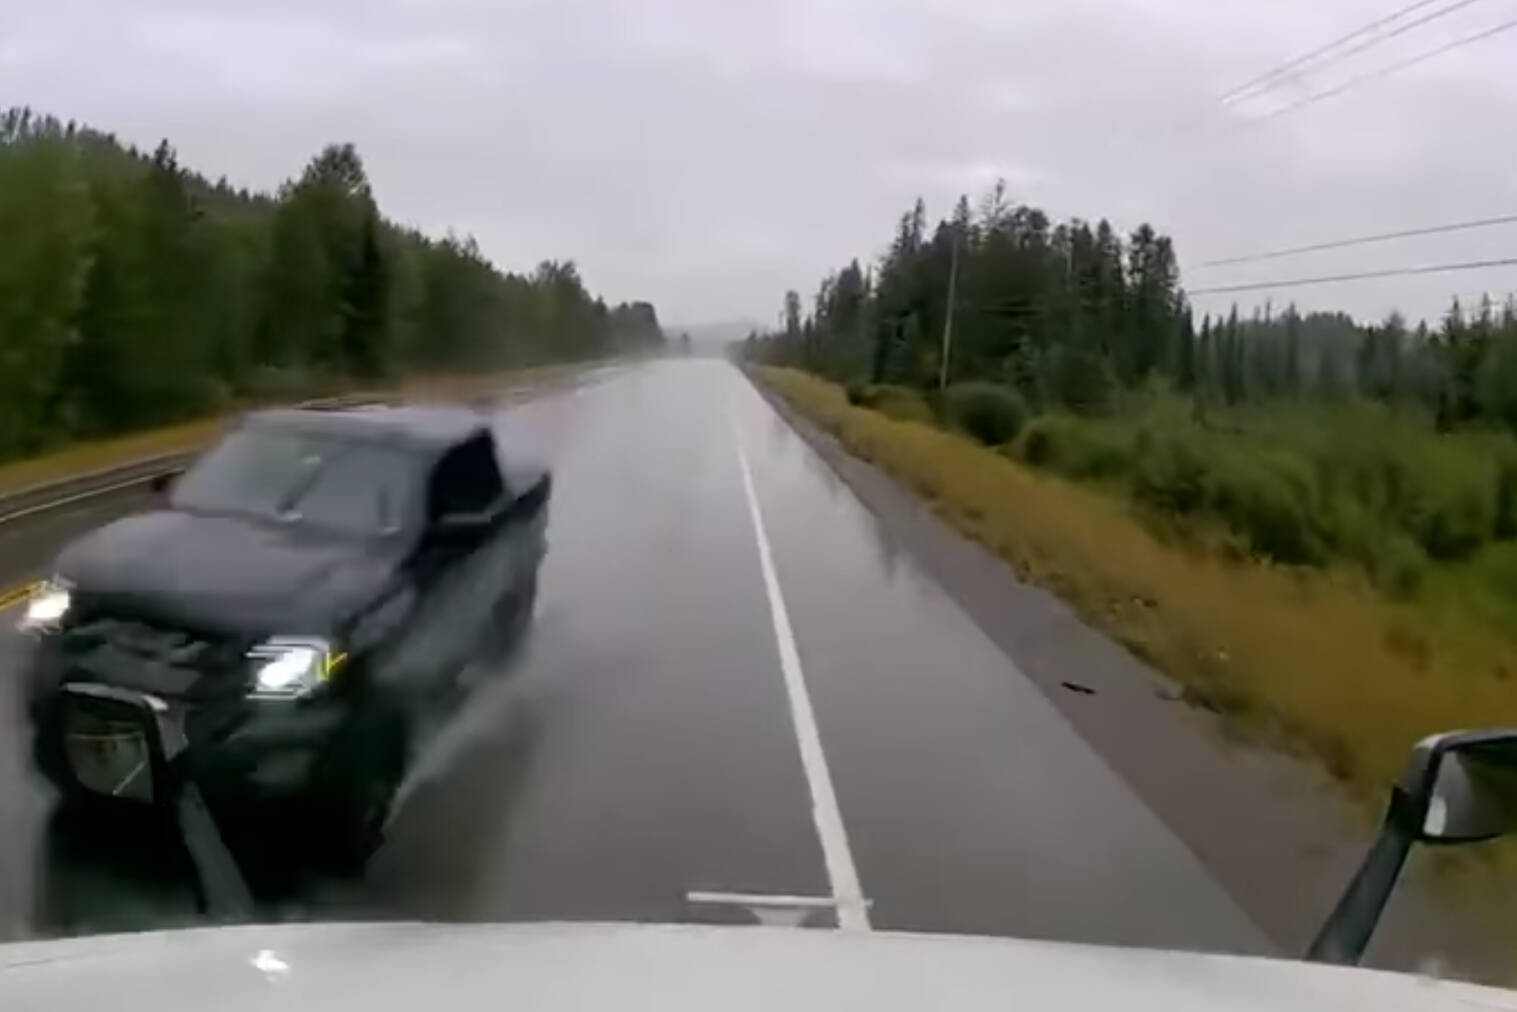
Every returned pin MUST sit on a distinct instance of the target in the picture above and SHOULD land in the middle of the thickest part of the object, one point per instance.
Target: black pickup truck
(313, 582)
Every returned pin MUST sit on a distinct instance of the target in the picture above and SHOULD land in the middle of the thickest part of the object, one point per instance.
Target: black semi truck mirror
(1458, 787)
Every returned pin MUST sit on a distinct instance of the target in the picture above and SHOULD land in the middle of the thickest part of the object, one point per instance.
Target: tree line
(1069, 314)
(1064, 312)
(135, 292)
(1463, 370)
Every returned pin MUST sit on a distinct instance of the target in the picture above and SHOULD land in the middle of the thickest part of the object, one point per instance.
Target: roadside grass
(1317, 660)
(92, 455)
(77, 458)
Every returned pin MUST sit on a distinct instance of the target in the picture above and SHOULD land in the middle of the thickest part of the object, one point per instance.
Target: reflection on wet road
(641, 745)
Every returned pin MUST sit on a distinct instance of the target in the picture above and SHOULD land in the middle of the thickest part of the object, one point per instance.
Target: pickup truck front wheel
(513, 614)
(355, 790)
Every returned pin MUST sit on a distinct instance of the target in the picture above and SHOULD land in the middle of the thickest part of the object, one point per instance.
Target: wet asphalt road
(641, 744)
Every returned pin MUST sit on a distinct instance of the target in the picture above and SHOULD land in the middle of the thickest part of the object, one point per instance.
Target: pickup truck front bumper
(100, 739)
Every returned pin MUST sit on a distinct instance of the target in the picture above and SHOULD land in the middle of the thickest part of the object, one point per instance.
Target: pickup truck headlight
(48, 603)
(287, 667)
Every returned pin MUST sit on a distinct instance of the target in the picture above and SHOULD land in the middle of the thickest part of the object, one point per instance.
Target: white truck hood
(428, 968)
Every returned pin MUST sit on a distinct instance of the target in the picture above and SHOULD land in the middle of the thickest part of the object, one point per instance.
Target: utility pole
(953, 284)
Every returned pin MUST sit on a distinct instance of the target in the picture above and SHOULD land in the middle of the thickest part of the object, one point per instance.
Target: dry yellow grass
(88, 456)
(1311, 659)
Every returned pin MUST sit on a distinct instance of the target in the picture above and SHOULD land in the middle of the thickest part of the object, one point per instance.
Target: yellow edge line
(15, 595)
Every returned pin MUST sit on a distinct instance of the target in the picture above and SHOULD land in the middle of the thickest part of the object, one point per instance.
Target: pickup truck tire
(521, 605)
(355, 788)
(513, 614)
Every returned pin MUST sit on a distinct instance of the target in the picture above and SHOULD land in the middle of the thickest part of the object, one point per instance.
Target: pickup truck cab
(271, 633)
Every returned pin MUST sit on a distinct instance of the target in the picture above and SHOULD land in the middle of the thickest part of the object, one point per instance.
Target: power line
(1386, 71)
(1507, 219)
(1295, 68)
(1289, 70)
(1269, 75)
(1360, 276)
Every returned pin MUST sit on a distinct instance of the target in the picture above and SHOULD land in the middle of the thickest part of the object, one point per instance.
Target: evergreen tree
(1185, 352)
(1292, 352)
(133, 291)
(47, 218)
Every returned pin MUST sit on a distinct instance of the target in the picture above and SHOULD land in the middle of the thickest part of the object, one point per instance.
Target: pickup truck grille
(169, 663)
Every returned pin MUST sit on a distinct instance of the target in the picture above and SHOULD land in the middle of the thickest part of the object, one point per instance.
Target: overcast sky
(708, 155)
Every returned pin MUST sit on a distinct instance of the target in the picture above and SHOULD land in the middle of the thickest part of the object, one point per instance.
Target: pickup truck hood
(227, 574)
(381, 967)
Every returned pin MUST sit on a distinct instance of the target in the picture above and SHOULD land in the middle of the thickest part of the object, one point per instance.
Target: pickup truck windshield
(342, 485)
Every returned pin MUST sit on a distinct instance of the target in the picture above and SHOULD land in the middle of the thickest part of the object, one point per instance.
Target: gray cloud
(711, 155)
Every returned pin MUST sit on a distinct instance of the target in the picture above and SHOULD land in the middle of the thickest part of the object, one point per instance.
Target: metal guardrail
(40, 498)
(60, 492)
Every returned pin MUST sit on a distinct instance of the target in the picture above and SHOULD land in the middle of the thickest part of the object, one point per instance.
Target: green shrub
(1450, 493)
(1353, 532)
(990, 413)
(1447, 501)
(1040, 442)
(1080, 380)
(1269, 497)
(1399, 565)
(1171, 469)
(1302, 483)
(1076, 447)
(1486, 583)
(1459, 522)
(1505, 526)
(1499, 452)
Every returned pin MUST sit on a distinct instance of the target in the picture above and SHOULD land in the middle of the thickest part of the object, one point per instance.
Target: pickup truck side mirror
(1458, 787)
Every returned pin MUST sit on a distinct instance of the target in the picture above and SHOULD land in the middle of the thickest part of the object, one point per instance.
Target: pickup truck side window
(466, 480)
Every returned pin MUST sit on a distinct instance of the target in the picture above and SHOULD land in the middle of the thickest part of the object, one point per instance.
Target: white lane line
(762, 900)
(852, 912)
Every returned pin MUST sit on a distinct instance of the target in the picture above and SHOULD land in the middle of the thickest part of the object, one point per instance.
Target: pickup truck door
(466, 562)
